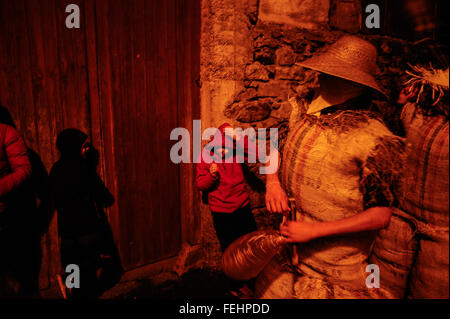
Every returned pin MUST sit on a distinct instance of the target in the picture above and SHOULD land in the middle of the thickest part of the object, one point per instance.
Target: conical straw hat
(350, 58)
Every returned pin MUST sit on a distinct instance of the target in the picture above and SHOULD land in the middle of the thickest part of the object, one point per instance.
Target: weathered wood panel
(137, 72)
(188, 86)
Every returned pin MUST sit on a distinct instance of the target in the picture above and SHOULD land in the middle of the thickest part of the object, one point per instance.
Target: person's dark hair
(5, 116)
(69, 143)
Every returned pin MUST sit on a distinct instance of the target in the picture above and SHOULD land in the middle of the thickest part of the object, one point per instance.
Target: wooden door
(138, 90)
(127, 77)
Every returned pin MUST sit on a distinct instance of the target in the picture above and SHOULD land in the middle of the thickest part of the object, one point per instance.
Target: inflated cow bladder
(246, 257)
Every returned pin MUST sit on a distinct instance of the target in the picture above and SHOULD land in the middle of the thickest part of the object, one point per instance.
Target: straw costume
(425, 186)
(339, 160)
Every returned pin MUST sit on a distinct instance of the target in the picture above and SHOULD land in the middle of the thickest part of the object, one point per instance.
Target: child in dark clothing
(222, 178)
(79, 197)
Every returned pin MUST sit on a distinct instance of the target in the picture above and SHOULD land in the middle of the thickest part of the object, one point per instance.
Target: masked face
(90, 154)
(333, 88)
(222, 152)
(85, 148)
(334, 91)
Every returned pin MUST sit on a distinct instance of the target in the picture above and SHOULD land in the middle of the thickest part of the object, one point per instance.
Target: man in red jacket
(15, 169)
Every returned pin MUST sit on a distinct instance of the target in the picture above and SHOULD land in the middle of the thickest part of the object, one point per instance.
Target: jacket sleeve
(19, 163)
(203, 180)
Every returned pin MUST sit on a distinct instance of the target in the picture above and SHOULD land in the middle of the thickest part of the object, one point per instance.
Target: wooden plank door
(137, 71)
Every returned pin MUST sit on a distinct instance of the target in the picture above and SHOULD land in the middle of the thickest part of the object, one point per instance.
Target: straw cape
(434, 78)
(350, 58)
(424, 188)
(335, 166)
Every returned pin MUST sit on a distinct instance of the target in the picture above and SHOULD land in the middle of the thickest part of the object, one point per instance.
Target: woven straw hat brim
(331, 65)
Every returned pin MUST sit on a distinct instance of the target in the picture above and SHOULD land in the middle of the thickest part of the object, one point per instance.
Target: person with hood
(79, 196)
(219, 173)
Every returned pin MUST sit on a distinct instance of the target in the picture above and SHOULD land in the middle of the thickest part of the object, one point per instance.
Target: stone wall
(248, 52)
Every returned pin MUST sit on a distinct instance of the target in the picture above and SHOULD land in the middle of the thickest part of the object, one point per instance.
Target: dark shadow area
(252, 180)
(80, 198)
(196, 284)
(25, 221)
(411, 20)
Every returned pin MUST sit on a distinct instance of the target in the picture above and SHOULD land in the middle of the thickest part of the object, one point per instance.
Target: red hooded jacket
(228, 193)
(15, 165)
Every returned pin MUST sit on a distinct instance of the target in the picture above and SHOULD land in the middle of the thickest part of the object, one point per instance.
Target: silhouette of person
(80, 197)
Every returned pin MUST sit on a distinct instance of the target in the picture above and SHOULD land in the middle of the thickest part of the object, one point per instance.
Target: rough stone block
(252, 11)
(264, 40)
(256, 71)
(276, 105)
(285, 56)
(271, 69)
(279, 89)
(245, 95)
(294, 72)
(283, 112)
(265, 55)
(250, 111)
(301, 13)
